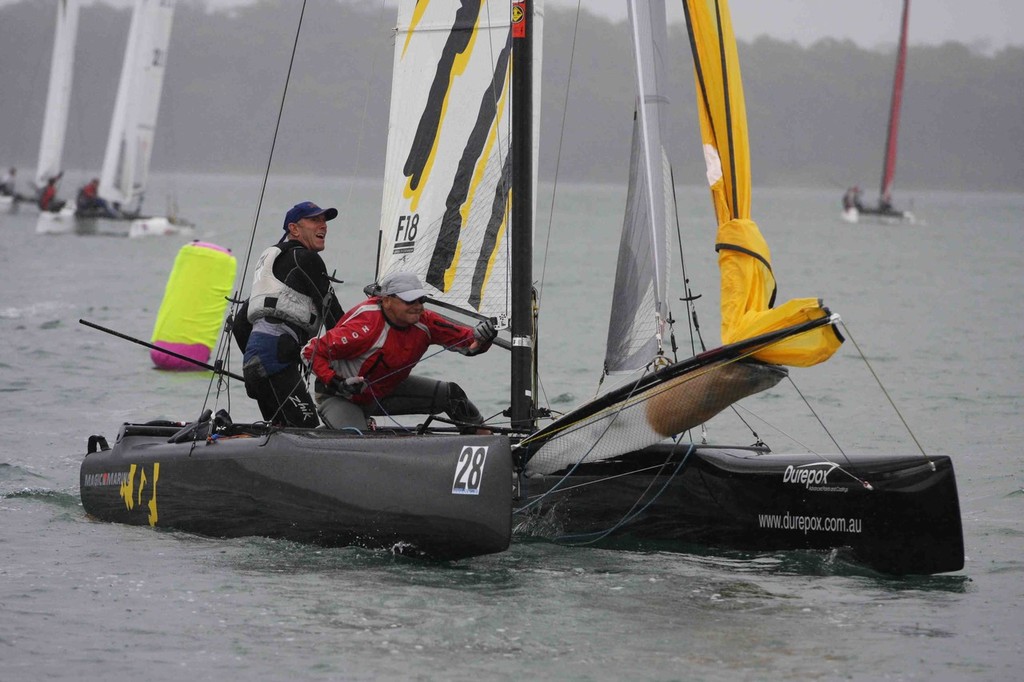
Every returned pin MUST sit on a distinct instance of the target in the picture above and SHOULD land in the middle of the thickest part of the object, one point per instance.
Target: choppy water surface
(934, 307)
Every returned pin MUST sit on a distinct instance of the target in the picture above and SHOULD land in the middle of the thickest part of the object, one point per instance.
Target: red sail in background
(894, 112)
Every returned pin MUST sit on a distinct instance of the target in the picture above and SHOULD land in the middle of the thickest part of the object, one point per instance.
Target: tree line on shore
(817, 114)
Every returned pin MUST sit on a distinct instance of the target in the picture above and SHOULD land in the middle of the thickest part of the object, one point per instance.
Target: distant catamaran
(853, 209)
(125, 171)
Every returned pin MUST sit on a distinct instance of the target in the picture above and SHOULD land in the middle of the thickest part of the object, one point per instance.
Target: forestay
(130, 142)
(447, 178)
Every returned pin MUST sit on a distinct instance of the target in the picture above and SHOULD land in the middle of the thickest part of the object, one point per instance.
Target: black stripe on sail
(451, 224)
(499, 210)
(426, 132)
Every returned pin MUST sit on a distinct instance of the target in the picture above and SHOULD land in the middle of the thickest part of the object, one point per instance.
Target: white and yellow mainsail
(447, 177)
(744, 260)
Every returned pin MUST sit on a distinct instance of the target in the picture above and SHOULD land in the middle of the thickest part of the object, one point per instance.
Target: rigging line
(578, 462)
(770, 425)
(558, 155)
(815, 414)
(886, 394)
(735, 410)
(603, 479)
(691, 307)
(809, 449)
(273, 145)
(633, 512)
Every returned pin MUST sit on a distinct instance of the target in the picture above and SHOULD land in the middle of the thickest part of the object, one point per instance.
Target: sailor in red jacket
(364, 364)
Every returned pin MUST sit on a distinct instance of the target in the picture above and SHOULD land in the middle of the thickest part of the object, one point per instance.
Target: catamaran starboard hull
(441, 497)
(897, 515)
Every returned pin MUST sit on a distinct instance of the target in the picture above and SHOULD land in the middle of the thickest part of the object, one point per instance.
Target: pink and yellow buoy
(191, 315)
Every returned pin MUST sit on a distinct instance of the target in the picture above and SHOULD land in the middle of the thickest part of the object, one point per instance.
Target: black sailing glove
(346, 388)
(485, 332)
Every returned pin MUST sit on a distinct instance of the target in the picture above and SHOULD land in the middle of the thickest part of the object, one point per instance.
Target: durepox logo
(809, 475)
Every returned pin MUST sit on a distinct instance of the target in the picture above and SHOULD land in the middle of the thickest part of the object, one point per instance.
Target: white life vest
(271, 297)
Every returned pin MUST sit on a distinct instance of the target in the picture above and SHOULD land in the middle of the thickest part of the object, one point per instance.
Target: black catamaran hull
(897, 515)
(443, 497)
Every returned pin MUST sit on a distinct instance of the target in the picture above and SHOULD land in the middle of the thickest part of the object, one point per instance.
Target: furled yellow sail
(744, 260)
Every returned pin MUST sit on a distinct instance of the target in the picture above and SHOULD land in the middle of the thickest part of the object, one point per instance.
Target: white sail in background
(58, 93)
(445, 204)
(130, 142)
(639, 308)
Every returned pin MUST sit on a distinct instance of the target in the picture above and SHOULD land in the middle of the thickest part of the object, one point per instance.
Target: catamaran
(626, 469)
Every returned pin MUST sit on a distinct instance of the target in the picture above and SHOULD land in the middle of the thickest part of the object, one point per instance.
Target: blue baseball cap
(307, 209)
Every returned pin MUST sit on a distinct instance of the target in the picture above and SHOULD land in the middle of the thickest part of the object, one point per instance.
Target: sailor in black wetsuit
(291, 298)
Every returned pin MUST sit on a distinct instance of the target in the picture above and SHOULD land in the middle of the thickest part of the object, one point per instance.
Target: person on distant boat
(849, 198)
(857, 198)
(7, 182)
(291, 297)
(363, 365)
(89, 203)
(48, 197)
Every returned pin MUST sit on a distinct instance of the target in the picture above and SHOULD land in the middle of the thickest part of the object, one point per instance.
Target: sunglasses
(421, 299)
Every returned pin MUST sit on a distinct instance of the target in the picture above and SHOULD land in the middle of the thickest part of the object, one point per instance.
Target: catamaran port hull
(895, 514)
(442, 497)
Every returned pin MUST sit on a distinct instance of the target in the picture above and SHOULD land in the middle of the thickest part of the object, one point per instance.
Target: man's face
(310, 232)
(400, 313)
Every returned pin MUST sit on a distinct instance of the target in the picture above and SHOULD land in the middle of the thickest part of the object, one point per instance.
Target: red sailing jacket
(365, 344)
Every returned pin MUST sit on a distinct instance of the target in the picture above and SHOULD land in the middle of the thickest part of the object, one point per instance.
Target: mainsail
(889, 171)
(130, 142)
(447, 172)
(58, 93)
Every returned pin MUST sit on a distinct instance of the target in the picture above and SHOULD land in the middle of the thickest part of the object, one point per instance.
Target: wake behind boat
(627, 469)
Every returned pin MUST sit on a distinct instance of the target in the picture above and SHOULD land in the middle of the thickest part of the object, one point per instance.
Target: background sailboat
(58, 99)
(853, 207)
(124, 175)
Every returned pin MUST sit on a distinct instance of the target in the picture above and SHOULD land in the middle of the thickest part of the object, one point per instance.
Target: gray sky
(986, 25)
